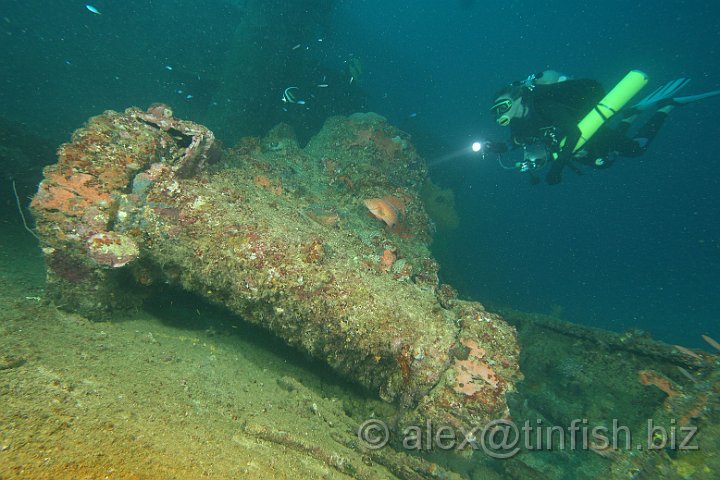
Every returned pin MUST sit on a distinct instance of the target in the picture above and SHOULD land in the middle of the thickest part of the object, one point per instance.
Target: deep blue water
(636, 246)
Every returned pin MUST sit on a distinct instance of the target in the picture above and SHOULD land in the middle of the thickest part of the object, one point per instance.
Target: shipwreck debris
(132, 196)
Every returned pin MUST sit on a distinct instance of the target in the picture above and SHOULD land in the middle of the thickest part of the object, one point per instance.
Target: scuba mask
(501, 107)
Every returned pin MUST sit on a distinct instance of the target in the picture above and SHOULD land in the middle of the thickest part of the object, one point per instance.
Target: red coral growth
(115, 177)
(315, 251)
(389, 147)
(159, 112)
(474, 373)
(387, 260)
(111, 249)
(648, 377)
(403, 359)
(70, 194)
(695, 411)
(272, 187)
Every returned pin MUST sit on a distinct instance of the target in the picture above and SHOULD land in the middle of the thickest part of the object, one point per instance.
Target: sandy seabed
(170, 392)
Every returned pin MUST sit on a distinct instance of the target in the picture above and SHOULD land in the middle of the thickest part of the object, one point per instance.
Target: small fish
(712, 342)
(188, 97)
(323, 85)
(168, 67)
(288, 96)
(93, 9)
(688, 352)
(296, 46)
(683, 371)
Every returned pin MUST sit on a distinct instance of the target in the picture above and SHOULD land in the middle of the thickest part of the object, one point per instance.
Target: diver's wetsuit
(613, 140)
(554, 111)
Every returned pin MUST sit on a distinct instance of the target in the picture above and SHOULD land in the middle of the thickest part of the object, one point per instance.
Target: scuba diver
(548, 114)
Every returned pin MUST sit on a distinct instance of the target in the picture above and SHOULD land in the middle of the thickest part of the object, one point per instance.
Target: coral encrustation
(282, 236)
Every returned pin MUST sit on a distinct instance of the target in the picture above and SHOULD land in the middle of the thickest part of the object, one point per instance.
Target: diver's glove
(554, 175)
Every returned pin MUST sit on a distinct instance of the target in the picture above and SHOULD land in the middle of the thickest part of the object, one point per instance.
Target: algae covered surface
(326, 246)
(197, 312)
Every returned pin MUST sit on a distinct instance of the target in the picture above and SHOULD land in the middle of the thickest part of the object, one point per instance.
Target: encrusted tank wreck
(327, 246)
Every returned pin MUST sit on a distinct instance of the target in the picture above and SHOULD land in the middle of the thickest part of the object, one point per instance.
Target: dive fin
(665, 92)
(694, 98)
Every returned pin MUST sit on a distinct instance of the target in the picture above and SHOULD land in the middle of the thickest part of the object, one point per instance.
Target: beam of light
(474, 149)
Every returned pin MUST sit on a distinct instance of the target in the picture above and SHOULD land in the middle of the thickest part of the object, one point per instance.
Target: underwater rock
(111, 249)
(132, 196)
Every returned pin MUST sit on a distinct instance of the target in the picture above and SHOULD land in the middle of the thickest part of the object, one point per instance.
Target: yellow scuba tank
(616, 99)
